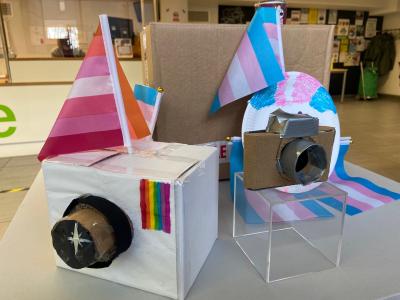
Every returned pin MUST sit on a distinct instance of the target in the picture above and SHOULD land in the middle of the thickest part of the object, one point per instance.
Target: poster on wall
(359, 18)
(352, 59)
(344, 45)
(360, 43)
(360, 30)
(348, 60)
(335, 58)
(352, 45)
(343, 57)
(295, 16)
(321, 16)
(335, 51)
(352, 31)
(332, 17)
(370, 27)
(123, 48)
(336, 46)
(313, 16)
(304, 16)
(343, 27)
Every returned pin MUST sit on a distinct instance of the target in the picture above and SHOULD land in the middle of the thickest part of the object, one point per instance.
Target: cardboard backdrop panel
(190, 60)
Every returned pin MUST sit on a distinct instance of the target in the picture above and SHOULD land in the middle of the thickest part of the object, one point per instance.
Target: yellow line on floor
(14, 190)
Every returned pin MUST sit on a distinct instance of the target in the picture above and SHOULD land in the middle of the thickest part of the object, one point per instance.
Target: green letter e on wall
(9, 117)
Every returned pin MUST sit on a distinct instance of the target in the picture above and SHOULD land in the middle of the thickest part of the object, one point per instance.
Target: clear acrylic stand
(286, 235)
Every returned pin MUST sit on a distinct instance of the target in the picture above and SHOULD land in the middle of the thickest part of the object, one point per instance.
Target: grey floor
(15, 173)
(373, 125)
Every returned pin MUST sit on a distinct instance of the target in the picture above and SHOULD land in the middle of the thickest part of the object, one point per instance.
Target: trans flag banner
(149, 100)
(258, 61)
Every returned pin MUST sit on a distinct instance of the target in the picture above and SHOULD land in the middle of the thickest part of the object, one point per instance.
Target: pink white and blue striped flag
(362, 193)
(258, 61)
(149, 100)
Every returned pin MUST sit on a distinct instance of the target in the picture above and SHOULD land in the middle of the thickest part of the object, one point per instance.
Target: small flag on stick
(149, 100)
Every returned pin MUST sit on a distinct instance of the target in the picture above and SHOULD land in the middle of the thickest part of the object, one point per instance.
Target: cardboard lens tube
(264, 153)
(293, 149)
(92, 233)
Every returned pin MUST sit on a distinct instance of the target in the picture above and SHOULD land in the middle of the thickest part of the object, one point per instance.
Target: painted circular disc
(73, 244)
(299, 92)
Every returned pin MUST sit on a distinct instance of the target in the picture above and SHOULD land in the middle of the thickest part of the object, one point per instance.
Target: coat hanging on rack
(382, 52)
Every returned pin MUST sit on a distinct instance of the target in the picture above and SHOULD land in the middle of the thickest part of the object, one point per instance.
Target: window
(34, 27)
(69, 33)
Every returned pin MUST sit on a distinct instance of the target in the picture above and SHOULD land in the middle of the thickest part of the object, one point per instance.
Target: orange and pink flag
(100, 110)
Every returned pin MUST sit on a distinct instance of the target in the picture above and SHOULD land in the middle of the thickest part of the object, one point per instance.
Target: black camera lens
(303, 161)
(92, 233)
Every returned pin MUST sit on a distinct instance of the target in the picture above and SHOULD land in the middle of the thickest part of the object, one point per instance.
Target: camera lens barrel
(303, 161)
(92, 233)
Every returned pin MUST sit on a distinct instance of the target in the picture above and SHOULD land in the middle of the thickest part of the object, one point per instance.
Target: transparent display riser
(286, 235)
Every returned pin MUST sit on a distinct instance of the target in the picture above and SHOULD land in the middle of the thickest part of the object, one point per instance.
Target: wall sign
(7, 116)
(27, 114)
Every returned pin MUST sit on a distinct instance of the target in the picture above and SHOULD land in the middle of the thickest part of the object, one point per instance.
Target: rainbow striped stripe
(155, 205)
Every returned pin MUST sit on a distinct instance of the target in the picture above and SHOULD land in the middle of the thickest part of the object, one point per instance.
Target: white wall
(35, 109)
(369, 5)
(63, 70)
(387, 7)
(170, 7)
(390, 84)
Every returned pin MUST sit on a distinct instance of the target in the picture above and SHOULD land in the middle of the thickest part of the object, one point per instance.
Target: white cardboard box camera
(158, 262)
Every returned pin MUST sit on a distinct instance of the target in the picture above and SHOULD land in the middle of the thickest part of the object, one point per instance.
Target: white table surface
(370, 266)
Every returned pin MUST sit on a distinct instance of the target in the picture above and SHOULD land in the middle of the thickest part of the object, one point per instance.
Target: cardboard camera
(293, 149)
(147, 220)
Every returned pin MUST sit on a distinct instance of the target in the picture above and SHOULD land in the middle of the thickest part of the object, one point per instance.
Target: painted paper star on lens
(76, 238)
